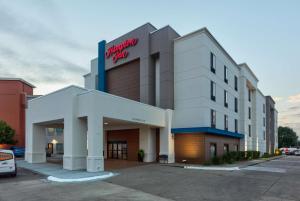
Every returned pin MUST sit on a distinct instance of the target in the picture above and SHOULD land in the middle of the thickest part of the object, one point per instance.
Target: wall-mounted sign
(119, 51)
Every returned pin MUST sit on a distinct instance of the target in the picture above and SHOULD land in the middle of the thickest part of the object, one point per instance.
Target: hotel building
(180, 96)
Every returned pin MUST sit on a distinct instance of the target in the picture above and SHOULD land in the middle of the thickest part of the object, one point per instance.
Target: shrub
(266, 155)
(217, 160)
(6, 133)
(256, 154)
(207, 163)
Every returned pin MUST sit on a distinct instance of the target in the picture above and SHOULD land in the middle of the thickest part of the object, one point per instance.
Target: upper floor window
(264, 108)
(225, 98)
(236, 83)
(249, 130)
(226, 122)
(264, 121)
(235, 104)
(264, 135)
(249, 95)
(249, 112)
(236, 125)
(213, 118)
(225, 74)
(212, 90)
(212, 62)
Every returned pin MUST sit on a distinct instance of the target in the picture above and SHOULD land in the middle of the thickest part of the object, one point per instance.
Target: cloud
(294, 98)
(278, 98)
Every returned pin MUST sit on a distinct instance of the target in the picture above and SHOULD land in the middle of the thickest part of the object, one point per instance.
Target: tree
(287, 137)
(6, 133)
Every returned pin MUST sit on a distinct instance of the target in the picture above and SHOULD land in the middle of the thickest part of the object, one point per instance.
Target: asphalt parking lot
(276, 180)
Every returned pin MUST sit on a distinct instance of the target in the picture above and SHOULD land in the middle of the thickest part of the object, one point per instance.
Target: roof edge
(17, 79)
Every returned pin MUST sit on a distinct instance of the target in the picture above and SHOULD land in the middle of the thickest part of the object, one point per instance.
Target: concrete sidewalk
(57, 173)
(236, 165)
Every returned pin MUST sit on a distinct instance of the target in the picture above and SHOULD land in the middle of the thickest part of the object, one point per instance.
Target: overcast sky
(50, 43)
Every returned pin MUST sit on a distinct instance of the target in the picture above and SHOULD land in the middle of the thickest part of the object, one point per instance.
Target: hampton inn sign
(119, 51)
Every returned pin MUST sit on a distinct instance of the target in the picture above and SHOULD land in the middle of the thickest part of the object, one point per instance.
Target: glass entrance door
(117, 150)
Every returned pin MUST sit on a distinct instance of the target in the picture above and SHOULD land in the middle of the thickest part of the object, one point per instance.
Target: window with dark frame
(249, 112)
(226, 149)
(213, 150)
(264, 108)
(236, 125)
(225, 122)
(264, 121)
(212, 62)
(225, 74)
(264, 135)
(213, 118)
(249, 130)
(225, 98)
(249, 95)
(236, 83)
(235, 104)
(213, 90)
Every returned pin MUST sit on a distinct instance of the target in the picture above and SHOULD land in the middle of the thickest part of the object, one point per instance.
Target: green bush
(207, 163)
(217, 160)
(6, 133)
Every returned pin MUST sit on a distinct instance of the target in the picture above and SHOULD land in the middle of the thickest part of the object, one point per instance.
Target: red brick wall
(12, 106)
(132, 138)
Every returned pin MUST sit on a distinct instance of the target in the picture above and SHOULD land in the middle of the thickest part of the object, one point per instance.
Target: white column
(166, 138)
(35, 144)
(95, 161)
(75, 151)
(147, 141)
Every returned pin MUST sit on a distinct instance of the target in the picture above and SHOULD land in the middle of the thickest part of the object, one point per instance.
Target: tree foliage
(287, 137)
(6, 133)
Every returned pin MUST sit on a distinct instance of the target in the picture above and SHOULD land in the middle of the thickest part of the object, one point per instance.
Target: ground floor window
(236, 147)
(226, 148)
(213, 150)
(117, 150)
(59, 148)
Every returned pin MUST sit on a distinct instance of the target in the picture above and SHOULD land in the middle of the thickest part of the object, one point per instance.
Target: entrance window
(117, 150)
(213, 150)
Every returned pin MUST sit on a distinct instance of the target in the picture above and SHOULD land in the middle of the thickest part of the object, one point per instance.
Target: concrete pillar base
(74, 162)
(150, 157)
(35, 157)
(95, 164)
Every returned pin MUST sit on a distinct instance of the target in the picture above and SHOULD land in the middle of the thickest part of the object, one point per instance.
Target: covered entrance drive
(97, 126)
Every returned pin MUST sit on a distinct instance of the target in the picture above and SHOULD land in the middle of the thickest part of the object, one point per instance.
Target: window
(235, 104)
(226, 148)
(225, 74)
(264, 108)
(50, 131)
(249, 95)
(213, 118)
(212, 63)
(249, 130)
(236, 83)
(264, 119)
(236, 125)
(212, 90)
(225, 98)
(249, 112)
(236, 147)
(264, 135)
(59, 148)
(226, 122)
(59, 131)
(213, 150)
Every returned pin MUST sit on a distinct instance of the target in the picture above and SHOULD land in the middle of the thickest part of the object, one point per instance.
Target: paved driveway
(264, 182)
